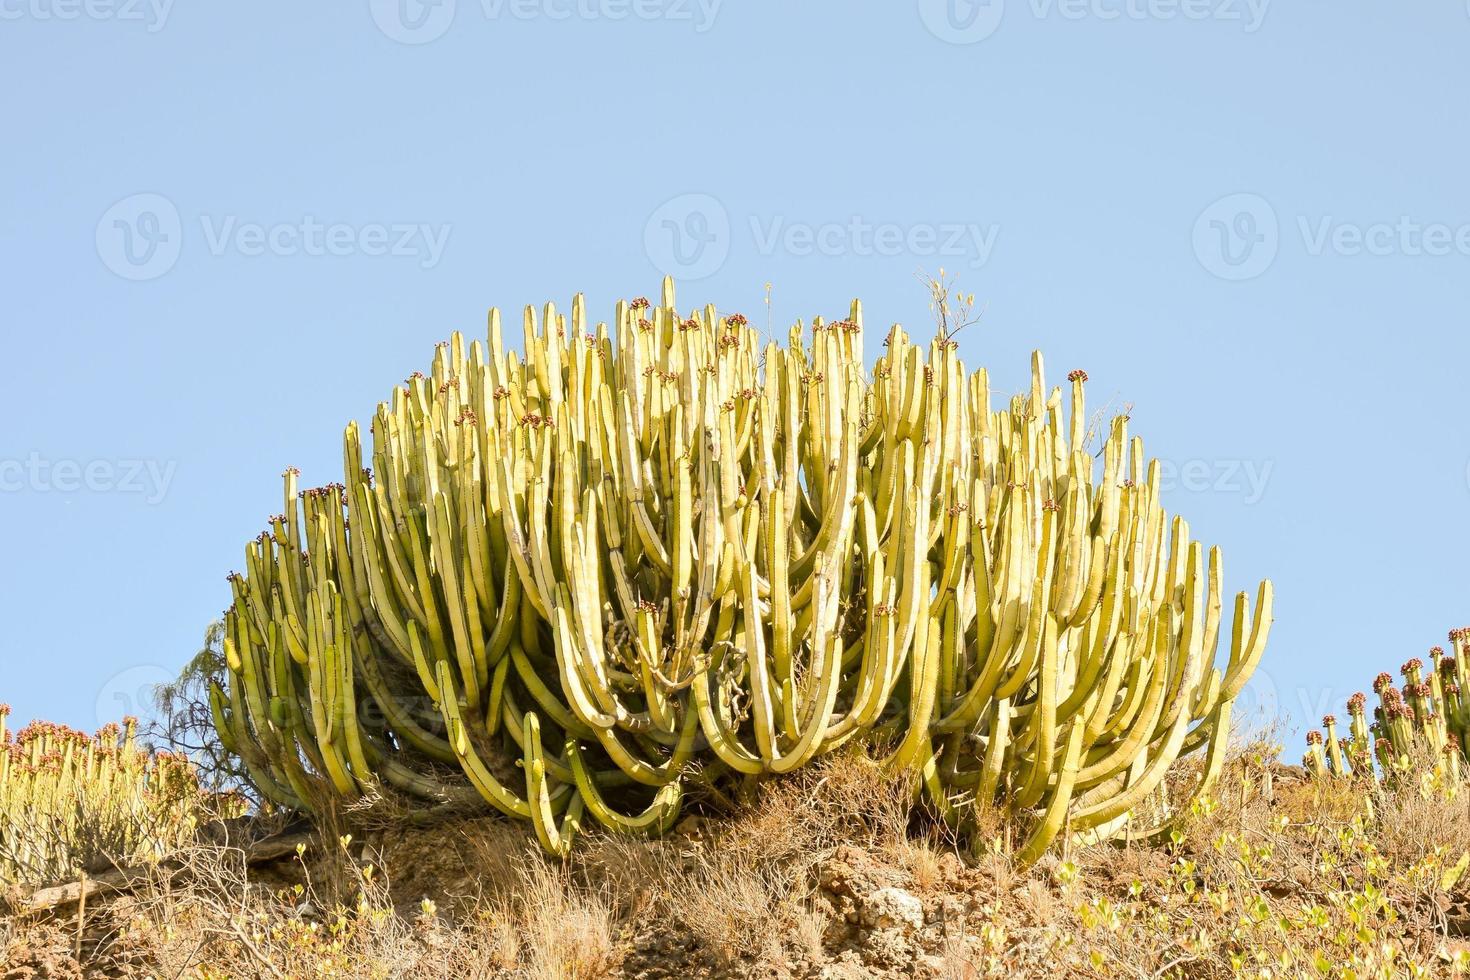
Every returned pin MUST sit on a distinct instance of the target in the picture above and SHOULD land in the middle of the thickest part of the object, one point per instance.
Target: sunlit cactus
(1315, 759)
(69, 800)
(1422, 725)
(672, 552)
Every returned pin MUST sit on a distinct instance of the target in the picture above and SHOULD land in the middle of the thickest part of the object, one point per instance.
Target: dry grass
(1275, 876)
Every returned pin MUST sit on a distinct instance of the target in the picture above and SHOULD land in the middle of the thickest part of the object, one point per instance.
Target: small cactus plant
(68, 800)
(1424, 722)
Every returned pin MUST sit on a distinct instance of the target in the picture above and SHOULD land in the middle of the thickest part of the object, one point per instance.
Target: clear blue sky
(338, 186)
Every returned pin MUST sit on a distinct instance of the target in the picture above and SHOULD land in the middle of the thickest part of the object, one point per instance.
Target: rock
(949, 909)
(893, 908)
(846, 967)
(931, 965)
(836, 877)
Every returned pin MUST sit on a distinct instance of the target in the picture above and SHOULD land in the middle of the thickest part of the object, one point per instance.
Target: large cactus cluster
(669, 553)
(1424, 723)
(68, 800)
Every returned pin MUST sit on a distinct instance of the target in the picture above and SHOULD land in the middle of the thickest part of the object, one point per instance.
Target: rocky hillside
(828, 875)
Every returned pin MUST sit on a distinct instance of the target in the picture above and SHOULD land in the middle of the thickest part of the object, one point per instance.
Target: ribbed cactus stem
(1427, 719)
(668, 543)
(68, 799)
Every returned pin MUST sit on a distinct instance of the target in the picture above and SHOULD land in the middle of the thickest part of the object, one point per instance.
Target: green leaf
(1450, 876)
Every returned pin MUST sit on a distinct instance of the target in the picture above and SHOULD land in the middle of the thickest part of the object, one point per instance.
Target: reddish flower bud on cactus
(1314, 737)
(1329, 720)
(1356, 702)
(1077, 375)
